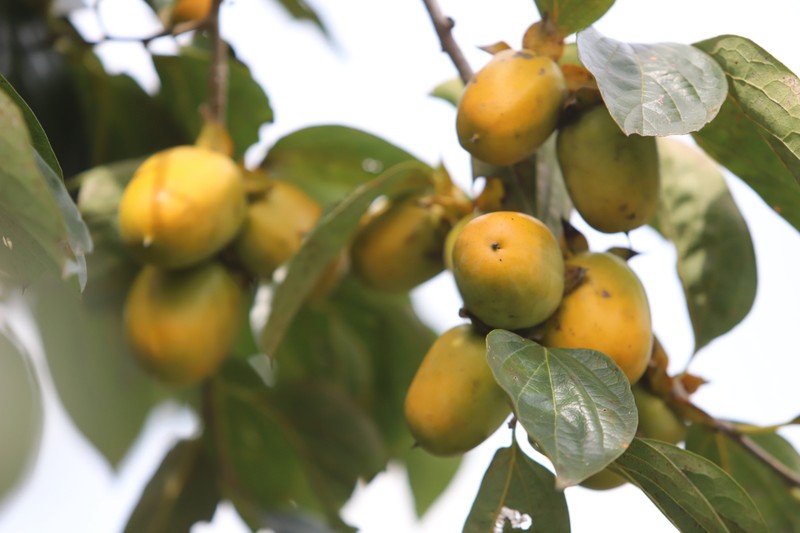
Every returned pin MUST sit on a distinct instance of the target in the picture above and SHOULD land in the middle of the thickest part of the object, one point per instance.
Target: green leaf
(654, 89)
(780, 509)
(576, 405)
(691, 491)
(755, 135)
(333, 231)
(300, 10)
(328, 162)
(517, 489)
(184, 91)
(303, 442)
(450, 91)
(38, 137)
(570, 16)
(34, 238)
(22, 416)
(428, 476)
(96, 376)
(698, 214)
(183, 491)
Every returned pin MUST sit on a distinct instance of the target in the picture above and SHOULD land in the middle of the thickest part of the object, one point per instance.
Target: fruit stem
(444, 26)
(218, 74)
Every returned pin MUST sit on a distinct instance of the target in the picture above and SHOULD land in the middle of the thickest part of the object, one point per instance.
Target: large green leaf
(779, 507)
(756, 133)
(303, 442)
(328, 162)
(698, 214)
(570, 16)
(654, 89)
(691, 491)
(576, 405)
(184, 90)
(183, 491)
(327, 239)
(22, 416)
(34, 237)
(97, 379)
(517, 491)
(428, 476)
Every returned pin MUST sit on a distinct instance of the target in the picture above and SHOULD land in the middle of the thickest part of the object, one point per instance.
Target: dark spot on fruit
(524, 55)
(623, 207)
(542, 72)
(495, 246)
(605, 294)
(631, 216)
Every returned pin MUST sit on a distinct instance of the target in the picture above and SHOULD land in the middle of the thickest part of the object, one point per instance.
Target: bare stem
(174, 31)
(444, 26)
(218, 74)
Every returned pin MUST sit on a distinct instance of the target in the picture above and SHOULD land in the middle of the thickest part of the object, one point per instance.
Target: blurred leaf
(450, 90)
(303, 442)
(698, 214)
(97, 379)
(333, 231)
(654, 89)
(428, 476)
(328, 162)
(183, 491)
(184, 91)
(518, 493)
(293, 523)
(755, 135)
(780, 509)
(22, 416)
(576, 405)
(570, 16)
(553, 204)
(39, 139)
(691, 491)
(300, 10)
(123, 121)
(33, 236)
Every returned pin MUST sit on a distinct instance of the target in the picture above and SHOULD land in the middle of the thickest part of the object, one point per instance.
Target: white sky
(386, 61)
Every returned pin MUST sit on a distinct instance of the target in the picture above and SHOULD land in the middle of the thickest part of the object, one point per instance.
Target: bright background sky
(377, 77)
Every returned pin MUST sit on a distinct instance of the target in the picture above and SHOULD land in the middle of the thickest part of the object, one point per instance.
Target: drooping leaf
(518, 490)
(21, 419)
(691, 491)
(184, 90)
(779, 508)
(654, 89)
(328, 162)
(570, 16)
(183, 491)
(576, 405)
(301, 10)
(33, 235)
(428, 476)
(97, 379)
(327, 239)
(698, 214)
(449, 90)
(302, 442)
(756, 133)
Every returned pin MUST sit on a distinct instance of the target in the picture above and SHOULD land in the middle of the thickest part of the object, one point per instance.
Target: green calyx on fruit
(510, 107)
(509, 270)
(612, 178)
(182, 324)
(454, 402)
(608, 311)
(182, 206)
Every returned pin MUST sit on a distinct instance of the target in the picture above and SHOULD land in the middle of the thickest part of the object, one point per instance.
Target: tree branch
(218, 74)
(444, 26)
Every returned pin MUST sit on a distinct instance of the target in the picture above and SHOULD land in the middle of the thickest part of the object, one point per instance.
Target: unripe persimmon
(182, 324)
(186, 10)
(608, 312)
(454, 402)
(510, 107)
(612, 178)
(509, 269)
(276, 224)
(182, 206)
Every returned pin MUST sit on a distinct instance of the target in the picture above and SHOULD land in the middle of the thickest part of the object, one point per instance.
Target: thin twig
(218, 74)
(174, 31)
(444, 26)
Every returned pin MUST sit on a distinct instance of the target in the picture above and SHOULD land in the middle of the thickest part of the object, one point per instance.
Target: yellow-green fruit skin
(510, 107)
(182, 324)
(400, 247)
(275, 227)
(608, 312)
(450, 240)
(612, 179)
(182, 206)
(603, 480)
(509, 269)
(656, 419)
(454, 402)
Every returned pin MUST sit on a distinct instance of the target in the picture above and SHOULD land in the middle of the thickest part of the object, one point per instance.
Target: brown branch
(218, 74)
(174, 31)
(444, 26)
